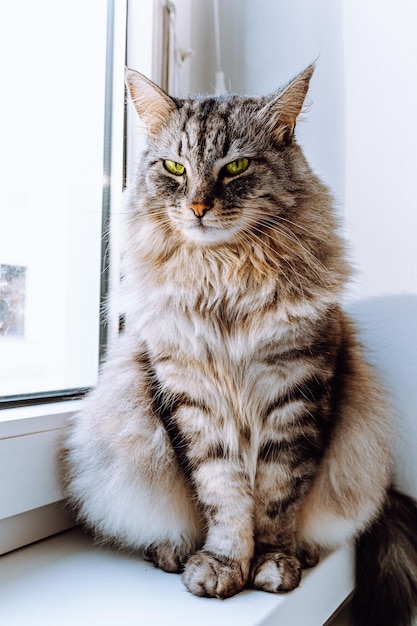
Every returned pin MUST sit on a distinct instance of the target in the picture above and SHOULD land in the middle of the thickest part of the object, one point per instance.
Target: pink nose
(199, 209)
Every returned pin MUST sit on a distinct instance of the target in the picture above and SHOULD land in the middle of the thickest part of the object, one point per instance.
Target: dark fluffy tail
(386, 566)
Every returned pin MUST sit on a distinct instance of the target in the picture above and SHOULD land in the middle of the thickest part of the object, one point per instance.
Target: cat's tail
(386, 566)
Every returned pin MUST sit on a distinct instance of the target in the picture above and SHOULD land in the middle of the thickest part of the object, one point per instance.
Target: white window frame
(31, 505)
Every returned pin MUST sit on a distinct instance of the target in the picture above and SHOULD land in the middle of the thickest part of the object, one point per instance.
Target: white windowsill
(25, 420)
(65, 580)
(30, 507)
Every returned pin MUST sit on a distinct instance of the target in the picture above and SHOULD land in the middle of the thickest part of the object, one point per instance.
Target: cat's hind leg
(120, 472)
(350, 487)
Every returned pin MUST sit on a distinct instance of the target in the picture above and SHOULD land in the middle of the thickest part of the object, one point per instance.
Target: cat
(237, 427)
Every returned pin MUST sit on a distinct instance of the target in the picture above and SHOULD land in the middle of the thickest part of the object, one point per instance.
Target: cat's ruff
(237, 427)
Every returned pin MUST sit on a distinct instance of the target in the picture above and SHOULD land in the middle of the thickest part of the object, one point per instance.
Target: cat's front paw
(167, 557)
(214, 577)
(275, 572)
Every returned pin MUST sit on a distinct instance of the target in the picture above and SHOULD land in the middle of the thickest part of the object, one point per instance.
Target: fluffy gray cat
(237, 428)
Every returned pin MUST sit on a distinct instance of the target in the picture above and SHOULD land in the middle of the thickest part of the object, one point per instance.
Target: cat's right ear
(153, 105)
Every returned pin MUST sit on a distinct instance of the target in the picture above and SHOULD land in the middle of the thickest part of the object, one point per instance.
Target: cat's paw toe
(214, 577)
(275, 572)
(166, 556)
(308, 555)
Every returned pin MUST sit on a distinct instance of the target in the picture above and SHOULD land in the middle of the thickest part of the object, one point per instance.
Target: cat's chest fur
(234, 367)
(223, 342)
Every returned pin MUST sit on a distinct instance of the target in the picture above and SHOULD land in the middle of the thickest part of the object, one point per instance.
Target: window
(53, 69)
(57, 161)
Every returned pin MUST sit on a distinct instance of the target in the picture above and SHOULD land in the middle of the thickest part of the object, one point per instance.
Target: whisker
(303, 253)
(291, 249)
(277, 221)
(269, 233)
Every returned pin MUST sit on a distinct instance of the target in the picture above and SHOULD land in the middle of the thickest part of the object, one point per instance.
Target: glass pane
(52, 68)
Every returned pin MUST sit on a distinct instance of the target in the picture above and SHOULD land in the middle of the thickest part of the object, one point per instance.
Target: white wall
(381, 197)
(360, 136)
(265, 44)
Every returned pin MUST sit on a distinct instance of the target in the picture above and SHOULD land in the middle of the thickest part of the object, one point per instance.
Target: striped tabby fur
(236, 428)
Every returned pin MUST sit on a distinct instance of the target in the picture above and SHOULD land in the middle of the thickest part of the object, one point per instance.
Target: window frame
(31, 424)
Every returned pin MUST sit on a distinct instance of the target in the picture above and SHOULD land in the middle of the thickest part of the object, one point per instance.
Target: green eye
(237, 167)
(174, 168)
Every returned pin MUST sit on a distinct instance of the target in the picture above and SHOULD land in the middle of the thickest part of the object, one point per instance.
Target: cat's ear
(283, 109)
(153, 105)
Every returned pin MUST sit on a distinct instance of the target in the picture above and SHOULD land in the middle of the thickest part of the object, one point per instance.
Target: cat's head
(220, 169)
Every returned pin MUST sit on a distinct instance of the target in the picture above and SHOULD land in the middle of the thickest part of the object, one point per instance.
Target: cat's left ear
(153, 105)
(282, 111)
